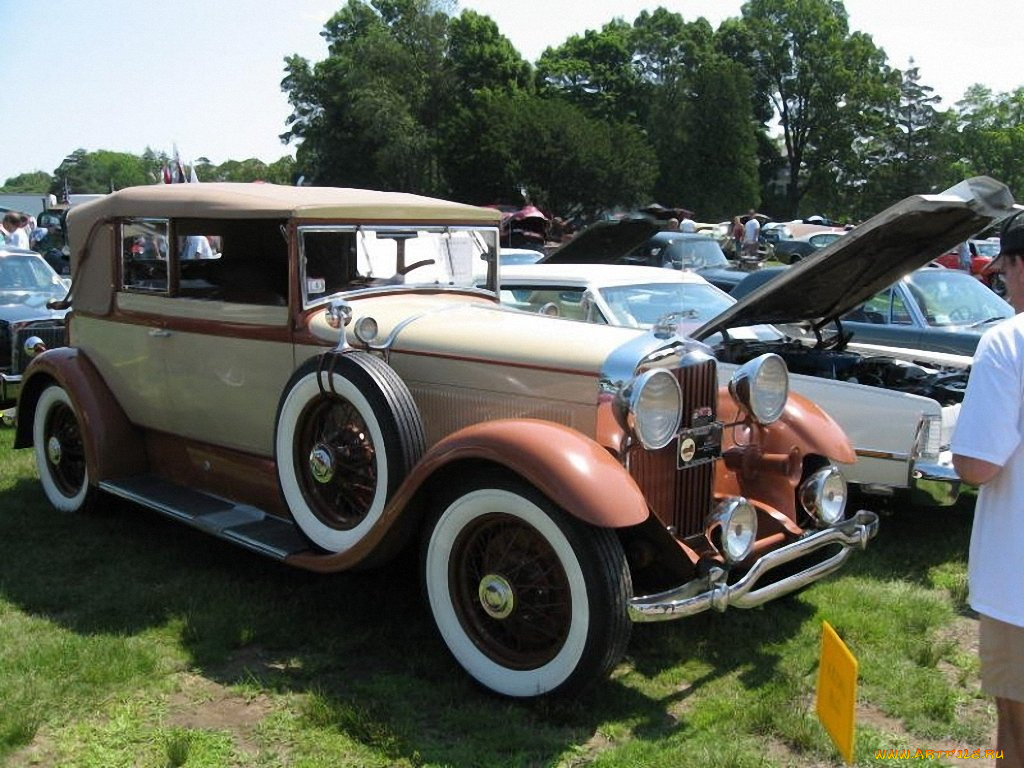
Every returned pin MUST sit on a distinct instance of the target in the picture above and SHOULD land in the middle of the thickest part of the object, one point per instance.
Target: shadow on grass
(361, 646)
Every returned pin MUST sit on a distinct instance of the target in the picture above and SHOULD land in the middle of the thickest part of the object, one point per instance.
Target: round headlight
(761, 387)
(655, 408)
(823, 496)
(737, 519)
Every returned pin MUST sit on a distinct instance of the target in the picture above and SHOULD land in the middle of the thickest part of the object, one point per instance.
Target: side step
(247, 526)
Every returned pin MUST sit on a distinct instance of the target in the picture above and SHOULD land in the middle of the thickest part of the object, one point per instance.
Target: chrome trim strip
(712, 591)
(869, 453)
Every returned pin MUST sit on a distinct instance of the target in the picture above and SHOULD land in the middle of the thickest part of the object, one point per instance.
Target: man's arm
(974, 471)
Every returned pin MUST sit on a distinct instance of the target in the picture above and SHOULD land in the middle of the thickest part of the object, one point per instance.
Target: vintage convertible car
(898, 406)
(334, 389)
(27, 284)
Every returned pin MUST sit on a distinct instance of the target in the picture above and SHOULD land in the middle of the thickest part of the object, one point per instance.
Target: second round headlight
(823, 496)
(737, 520)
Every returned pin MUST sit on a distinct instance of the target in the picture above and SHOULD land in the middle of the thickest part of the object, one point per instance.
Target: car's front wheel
(60, 452)
(529, 600)
(347, 434)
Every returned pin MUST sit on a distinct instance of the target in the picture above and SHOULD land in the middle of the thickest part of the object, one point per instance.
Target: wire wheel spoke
(535, 616)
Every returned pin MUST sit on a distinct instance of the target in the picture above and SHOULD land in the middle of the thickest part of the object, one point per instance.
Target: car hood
(18, 308)
(870, 257)
(604, 242)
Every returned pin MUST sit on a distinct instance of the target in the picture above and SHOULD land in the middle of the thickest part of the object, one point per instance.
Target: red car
(982, 254)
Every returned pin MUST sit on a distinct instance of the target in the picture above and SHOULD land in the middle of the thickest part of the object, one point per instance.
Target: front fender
(766, 462)
(571, 469)
(113, 447)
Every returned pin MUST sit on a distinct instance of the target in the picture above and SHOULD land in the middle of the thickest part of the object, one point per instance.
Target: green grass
(129, 640)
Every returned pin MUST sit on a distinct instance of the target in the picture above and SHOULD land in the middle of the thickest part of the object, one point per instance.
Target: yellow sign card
(837, 690)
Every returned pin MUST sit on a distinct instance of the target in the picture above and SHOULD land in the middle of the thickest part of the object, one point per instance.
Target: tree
(369, 114)
(595, 72)
(825, 86)
(27, 183)
(991, 136)
(98, 172)
(909, 157)
(562, 158)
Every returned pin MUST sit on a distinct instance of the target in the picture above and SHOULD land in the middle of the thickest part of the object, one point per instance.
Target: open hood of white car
(872, 256)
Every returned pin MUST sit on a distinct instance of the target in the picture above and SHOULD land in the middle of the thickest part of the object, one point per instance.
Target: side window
(144, 255)
(900, 313)
(240, 261)
(557, 302)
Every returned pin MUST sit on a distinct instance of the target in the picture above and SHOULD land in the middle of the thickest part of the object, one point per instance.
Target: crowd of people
(20, 230)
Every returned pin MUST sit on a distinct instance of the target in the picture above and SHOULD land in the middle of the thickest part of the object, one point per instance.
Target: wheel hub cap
(54, 452)
(496, 596)
(321, 463)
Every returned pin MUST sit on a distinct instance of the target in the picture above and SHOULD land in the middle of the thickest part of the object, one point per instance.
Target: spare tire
(348, 432)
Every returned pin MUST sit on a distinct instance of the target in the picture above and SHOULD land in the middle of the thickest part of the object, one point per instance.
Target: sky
(204, 76)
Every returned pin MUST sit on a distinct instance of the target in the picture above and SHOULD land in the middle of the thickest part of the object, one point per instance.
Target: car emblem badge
(321, 464)
(687, 449)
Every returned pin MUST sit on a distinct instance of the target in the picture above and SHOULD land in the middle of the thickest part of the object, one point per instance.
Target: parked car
(689, 251)
(27, 325)
(903, 437)
(335, 390)
(799, 246)
(932, 308)
(982, 253)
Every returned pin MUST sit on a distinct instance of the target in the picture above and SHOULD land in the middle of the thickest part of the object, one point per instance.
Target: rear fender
(113, 447)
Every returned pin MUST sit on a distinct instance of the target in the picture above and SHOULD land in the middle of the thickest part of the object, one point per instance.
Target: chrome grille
(681, 497)
(50, 331)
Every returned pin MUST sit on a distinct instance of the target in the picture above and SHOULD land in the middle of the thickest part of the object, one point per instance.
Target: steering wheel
(961, 315)
(415, 265)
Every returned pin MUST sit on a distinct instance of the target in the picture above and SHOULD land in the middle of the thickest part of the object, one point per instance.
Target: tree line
(783, 108)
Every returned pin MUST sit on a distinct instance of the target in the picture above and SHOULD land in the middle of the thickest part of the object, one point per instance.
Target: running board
(240, 524)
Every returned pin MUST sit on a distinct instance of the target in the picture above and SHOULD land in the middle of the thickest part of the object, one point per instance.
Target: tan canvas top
(251, 201)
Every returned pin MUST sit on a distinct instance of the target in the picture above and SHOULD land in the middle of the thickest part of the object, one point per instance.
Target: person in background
(988, 452)
(964, 256)
(737, 236)
(14, 233)
(687, 225)
(751, 234)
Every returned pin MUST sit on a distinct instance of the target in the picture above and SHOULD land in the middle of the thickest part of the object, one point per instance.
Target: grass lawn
(130, 640)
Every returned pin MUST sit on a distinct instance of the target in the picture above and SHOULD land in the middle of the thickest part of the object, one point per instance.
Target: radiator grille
(681, 498)
(50, 331)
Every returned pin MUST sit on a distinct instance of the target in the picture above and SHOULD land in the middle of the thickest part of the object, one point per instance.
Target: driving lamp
(737, 520)
(823, 496)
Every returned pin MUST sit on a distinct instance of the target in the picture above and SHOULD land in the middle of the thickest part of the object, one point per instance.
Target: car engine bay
(831, 360)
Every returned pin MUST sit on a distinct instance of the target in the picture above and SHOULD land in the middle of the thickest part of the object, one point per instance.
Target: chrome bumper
(10, 388)
(712, 592)
(934, 485)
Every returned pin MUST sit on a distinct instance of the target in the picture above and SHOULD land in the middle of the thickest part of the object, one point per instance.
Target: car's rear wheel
(529, 600)
(60, 452)
(347, 434)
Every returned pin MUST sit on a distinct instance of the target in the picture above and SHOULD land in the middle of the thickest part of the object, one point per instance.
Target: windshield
(948, 297)
(29, 274)
(342, 259)
(694, 253)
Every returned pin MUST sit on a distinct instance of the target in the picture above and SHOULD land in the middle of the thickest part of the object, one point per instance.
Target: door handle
(159, 333)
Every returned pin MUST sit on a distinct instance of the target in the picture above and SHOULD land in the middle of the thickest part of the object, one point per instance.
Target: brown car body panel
(105, 421)
(755, 456)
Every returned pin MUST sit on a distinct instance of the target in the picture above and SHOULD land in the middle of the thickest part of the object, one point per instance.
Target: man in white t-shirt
(988, 451)
(751, 234)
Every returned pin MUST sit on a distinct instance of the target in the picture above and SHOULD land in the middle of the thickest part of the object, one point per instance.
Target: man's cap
(1011, 239)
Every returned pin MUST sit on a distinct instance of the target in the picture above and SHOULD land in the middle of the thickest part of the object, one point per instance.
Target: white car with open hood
(898, 406)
